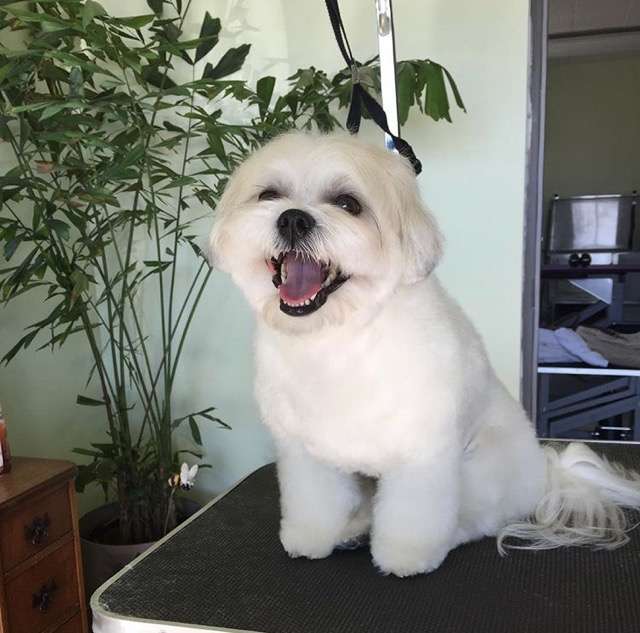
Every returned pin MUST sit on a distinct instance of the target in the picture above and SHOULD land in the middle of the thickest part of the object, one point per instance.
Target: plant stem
(178, 217)
(188, 323)
(169, 511)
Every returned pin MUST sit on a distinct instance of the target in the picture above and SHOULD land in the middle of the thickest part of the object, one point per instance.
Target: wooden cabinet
(41, 586)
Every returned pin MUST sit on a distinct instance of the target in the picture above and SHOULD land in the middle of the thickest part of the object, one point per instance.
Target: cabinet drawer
(74, 625)
(44, 594)
(33, 525)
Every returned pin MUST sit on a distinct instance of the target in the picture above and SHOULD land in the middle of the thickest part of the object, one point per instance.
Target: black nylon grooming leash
(360, 98)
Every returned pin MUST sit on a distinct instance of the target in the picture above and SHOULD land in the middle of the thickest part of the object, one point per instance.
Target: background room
(589, 282)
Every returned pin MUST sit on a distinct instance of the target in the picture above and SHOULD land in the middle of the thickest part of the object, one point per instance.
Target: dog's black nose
(294, 224)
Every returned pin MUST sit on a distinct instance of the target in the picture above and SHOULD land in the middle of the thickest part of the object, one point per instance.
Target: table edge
(109, 622)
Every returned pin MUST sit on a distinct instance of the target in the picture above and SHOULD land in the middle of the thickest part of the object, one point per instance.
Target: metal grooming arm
(387, 52)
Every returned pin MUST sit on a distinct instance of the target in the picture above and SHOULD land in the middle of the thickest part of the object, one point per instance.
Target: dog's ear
(216, 241)
(420, 236)
(218, 236)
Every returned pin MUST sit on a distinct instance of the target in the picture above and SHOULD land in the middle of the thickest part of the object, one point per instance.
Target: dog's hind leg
(321, 505)
(503, 473)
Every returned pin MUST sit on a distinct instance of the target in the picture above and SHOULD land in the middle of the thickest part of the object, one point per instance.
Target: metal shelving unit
(592, 242)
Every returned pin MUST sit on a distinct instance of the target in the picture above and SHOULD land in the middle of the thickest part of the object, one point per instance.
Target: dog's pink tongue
(304, 278)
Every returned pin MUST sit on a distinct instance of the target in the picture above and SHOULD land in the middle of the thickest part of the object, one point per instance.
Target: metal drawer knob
(42, 599)
(38, 531)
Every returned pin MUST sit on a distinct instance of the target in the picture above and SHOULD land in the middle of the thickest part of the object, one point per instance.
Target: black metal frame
(593, 404)
(533, 204)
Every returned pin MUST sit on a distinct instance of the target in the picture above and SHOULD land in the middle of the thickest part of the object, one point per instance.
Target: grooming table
(225, 570)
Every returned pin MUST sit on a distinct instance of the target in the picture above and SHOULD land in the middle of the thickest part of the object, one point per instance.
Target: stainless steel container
(584, 230)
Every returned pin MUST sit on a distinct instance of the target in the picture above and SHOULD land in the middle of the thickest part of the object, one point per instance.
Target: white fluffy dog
(387, 416)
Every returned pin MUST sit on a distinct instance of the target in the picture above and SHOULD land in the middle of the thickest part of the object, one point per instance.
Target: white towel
(565, 346)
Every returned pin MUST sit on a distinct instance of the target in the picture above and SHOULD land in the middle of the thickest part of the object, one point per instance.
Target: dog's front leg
(415, 515)
(321, 506)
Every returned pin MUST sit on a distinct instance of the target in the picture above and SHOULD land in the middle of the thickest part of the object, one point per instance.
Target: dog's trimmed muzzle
(303, 282)
(294, 225)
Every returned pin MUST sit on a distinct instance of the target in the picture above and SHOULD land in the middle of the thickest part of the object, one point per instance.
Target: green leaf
(229, 63)
(157, 265)
(86, 474)
(436, 103)
(52, 110)
(86, 451)
(49, 70)
(23, 343)
(132, 156)
(172, 127)
(6, 69)
(224, 425)
(406, 84)
(46, 19)
(210, 29)
(157, 78)
(90, 9)
(195, 431)
(10, 247)
(196, 249)
(89, 402)
(217, 146)
(180, 181)
(264, 90)
(76, 79)
(171, 31)
(186, 450)
(60, 227)
(136, 21)
(106, 470)
(9, 193)
(156, 6)
(454, 88)
(80, 284)
(77, 59)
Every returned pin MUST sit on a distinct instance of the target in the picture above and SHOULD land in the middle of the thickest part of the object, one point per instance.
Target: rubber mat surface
(227, 569)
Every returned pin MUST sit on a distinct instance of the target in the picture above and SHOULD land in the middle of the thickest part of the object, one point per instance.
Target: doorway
(581, 291)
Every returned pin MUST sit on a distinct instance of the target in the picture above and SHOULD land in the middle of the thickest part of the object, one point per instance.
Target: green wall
(473, 179)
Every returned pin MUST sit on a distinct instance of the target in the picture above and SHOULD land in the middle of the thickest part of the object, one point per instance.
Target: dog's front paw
(307, 540)
(404, 556)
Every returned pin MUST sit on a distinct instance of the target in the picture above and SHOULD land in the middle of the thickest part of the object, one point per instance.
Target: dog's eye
(269, 194)
(348, 203)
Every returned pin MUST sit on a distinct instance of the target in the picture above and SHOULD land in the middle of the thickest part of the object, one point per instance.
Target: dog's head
(315, 229)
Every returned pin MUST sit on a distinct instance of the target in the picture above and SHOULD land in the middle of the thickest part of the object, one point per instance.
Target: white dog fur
(387, 416)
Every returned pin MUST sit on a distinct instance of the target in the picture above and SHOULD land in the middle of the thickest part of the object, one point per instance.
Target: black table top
(227, 570)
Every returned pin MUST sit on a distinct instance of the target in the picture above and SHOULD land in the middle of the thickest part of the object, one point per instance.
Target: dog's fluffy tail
(583, 503)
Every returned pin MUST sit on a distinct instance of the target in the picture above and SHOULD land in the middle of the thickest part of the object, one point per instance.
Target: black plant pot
(100, 560)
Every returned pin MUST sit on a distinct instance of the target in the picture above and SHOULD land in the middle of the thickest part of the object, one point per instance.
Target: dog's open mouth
(303, 283)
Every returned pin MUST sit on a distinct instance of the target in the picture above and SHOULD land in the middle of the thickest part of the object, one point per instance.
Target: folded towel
(619, 349)
(565, 346)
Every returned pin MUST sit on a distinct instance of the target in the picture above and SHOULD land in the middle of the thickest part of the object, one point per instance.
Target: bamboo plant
(110, 151)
